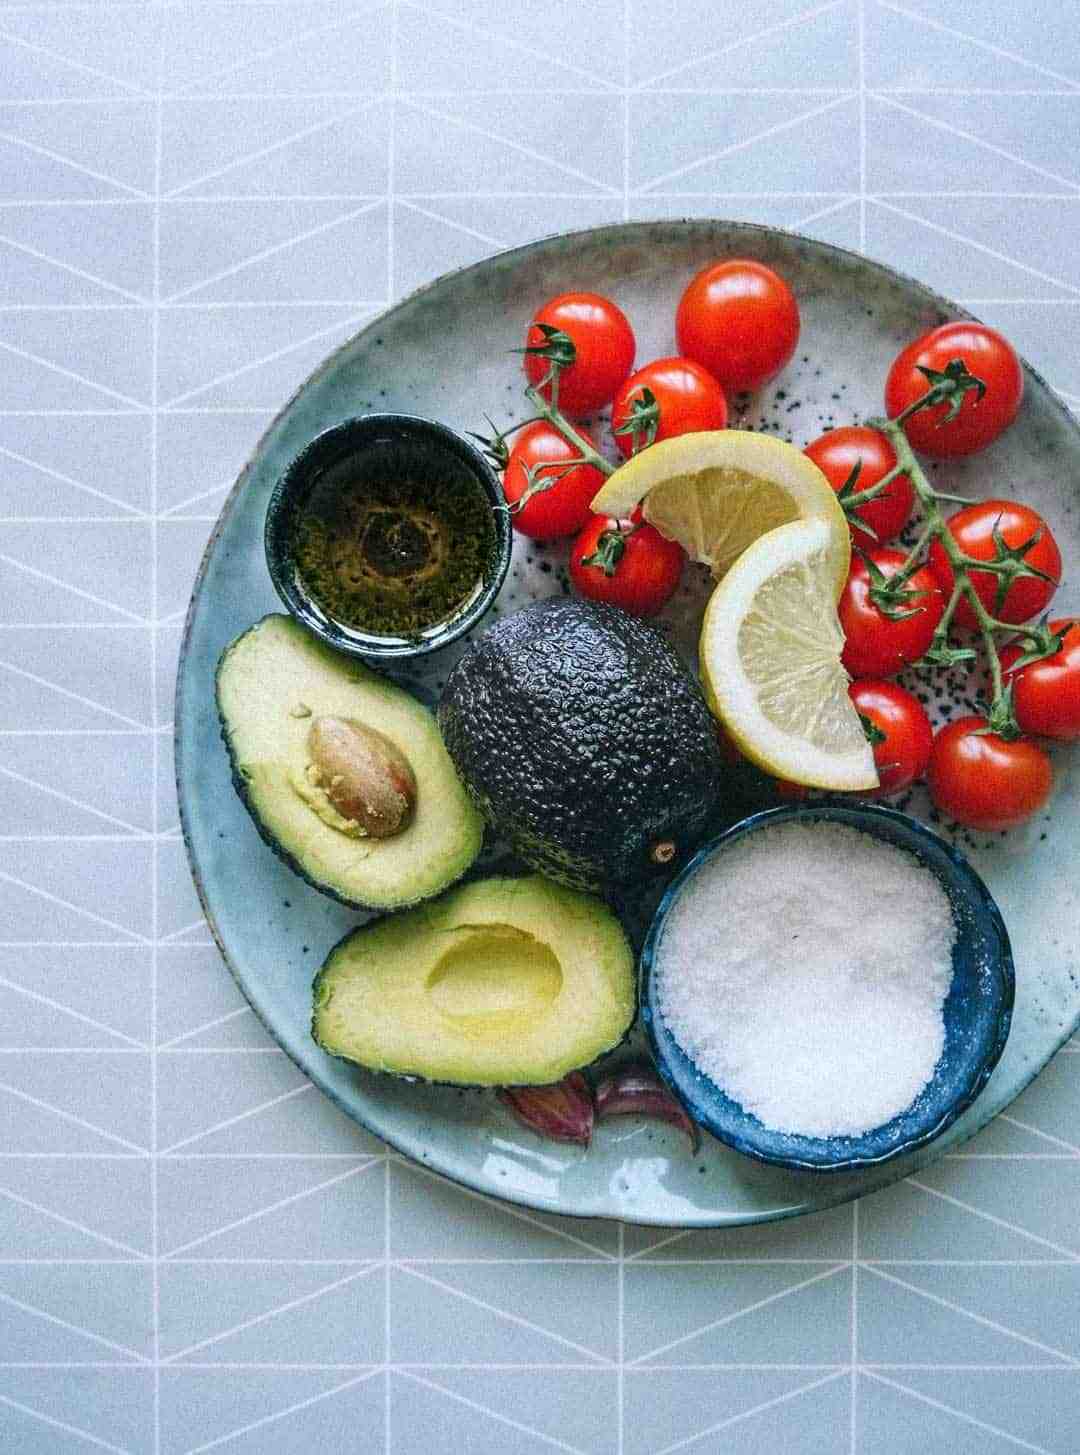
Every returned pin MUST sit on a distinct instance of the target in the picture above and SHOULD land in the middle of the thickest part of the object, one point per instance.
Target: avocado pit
(366, 779)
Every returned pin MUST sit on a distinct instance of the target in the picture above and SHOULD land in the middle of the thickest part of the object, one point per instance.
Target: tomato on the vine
(882, 639)
(1046, 693)
(628, 564)
(603, 349)
(989, 356)
(666, 398)
(1002, 530)
(898, 728)
(855, 446)
(986, 781)
(739, 320)
(562, 508)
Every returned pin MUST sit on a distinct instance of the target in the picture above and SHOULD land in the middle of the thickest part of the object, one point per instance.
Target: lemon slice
(716, 492)
(770, 662)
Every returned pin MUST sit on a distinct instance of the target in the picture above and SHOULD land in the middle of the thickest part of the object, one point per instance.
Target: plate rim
(890, 1172)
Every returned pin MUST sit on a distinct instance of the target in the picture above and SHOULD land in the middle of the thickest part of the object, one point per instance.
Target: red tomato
(984, 781)
(627, 564)
(739, 320)
(989, 357)
(792, 792)
(876, 646)
(687, 398)
(900, 729)
(1046, 694)
(563, 508)
(1024, 595)
(603, 350)
(836, 455)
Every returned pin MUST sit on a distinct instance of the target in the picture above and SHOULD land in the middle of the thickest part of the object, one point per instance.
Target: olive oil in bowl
(387, 536)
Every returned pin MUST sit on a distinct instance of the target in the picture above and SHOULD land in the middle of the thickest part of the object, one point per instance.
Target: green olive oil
(385, 548)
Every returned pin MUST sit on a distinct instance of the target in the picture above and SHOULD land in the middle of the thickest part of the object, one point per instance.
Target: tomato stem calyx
(890, 593)
(609, 549)
(558, 347)
(950, 385)
(643, 420)
(494, 446)
(873, 733)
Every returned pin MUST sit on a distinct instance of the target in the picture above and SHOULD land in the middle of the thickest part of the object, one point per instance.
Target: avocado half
(585, 742)
(272, 683)
(501, 982)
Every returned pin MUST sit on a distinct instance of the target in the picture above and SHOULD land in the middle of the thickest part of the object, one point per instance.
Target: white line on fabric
(56, 1424)
(1069, 1253)
(980, 44)
(748, 1414)
(491, 1414)
(980, 1319)
(759, 35)
(229, 1227)
(75, 590)
(968, 1419)
(738, 1314)
(36, 995)
(75, 908)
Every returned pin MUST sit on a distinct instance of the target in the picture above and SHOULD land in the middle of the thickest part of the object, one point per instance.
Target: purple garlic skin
(636, 1090)
(562, 1113)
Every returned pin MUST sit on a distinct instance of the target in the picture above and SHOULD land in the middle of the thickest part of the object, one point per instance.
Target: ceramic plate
(444, 353)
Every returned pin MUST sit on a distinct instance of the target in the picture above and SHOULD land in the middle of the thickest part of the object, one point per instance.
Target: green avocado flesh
(502, 982)
(272, 683)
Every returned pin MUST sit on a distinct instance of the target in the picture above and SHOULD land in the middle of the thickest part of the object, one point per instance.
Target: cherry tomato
(836, 455)
(984, 781)
(1046, 694)
(1016, 599)
(900, 730)
(563, 508)
(989, 357)
(684, 398)
(627, 564)
(603, 349)
(876, 646)
(791, 792)
(739, 320)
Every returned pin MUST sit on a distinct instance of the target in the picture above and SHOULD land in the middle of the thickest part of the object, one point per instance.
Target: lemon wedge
(717, 491)
(770, 662)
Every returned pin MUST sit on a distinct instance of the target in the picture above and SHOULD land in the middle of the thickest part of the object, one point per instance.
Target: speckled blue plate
(444, 353)
(977, 1009)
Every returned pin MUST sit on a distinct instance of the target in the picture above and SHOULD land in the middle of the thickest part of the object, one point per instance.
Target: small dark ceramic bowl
(439, 448)
(977, 1010)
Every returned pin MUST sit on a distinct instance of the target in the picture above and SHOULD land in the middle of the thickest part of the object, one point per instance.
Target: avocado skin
(584, 741)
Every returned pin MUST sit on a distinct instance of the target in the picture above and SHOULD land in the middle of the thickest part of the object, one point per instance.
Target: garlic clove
(636, 1090)
(562, 1112)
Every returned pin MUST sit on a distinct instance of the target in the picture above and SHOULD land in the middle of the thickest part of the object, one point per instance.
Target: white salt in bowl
(977, 1010)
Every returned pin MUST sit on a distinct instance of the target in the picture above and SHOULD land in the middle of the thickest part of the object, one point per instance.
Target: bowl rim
(865, 817)
(359, 430)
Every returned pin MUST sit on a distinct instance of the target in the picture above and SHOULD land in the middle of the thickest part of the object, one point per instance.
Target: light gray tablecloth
(197, 202)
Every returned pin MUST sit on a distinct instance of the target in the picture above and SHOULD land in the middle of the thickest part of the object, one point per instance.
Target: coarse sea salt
(804, 970)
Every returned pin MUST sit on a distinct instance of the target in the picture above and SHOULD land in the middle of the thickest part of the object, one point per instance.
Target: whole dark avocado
(585, 743)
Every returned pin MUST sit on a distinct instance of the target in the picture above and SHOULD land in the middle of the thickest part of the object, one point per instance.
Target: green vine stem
(549, 410)
(951, 387)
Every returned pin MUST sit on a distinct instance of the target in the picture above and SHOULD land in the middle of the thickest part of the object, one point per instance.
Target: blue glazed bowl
(977, 1010)
(433, 448)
